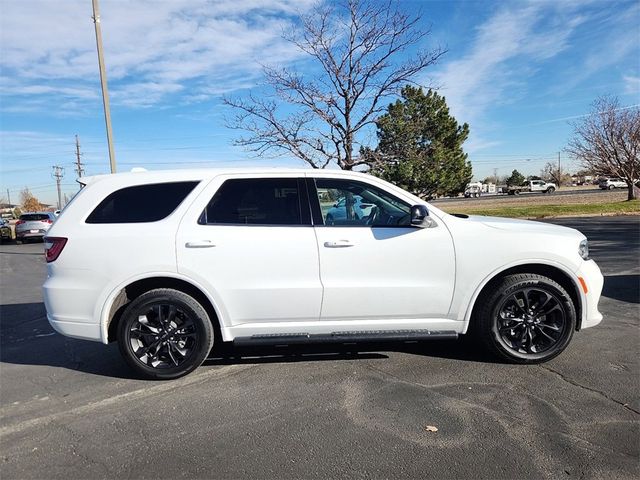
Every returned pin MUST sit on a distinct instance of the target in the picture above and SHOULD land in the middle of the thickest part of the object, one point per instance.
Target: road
(71, 410)
(589, 192)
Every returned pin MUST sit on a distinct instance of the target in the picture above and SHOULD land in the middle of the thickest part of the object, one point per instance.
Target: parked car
(33, 225)
(5, 231)
(348, 208)
(169, 263)
(609, 183)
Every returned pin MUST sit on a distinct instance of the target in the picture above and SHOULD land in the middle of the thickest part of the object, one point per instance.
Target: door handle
(199, 244)
(339, 244)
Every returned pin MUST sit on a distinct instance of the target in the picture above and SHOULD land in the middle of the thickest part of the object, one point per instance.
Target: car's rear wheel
(165, 334)
(527, 318)
(611, 187)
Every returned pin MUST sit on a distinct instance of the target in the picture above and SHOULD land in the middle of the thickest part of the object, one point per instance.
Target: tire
(611, 187)
(516, 192)
(510, 326)
(176, 330)
(550, 190)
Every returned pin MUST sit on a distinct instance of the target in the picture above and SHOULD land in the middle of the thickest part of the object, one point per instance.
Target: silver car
(33, 225)
(609, 183)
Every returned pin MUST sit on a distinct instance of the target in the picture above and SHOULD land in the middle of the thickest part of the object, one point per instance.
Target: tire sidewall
(201, 322)
(490, 327)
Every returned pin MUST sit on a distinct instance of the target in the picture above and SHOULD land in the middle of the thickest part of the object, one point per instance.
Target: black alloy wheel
(527, 318)
(165, 334)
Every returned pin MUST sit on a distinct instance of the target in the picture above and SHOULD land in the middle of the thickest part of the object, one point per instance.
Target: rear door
(378, 266)
(249, 241)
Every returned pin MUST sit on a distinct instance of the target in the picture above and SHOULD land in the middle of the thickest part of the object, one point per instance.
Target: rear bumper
(74, 329)
(28, 234)
(594, 281)
(70, 299)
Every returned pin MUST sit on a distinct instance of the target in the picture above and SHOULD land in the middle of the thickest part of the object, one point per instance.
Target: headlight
(583, 249)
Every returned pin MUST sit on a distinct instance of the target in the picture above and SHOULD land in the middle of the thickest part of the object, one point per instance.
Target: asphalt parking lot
(70, 408)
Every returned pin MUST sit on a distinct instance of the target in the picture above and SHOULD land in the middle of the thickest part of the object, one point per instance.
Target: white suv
(167, 263)
(611, 183)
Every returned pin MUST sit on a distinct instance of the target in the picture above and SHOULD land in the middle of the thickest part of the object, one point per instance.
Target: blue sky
(516, 71)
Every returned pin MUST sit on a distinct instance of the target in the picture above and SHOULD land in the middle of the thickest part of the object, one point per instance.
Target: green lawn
(541, 211)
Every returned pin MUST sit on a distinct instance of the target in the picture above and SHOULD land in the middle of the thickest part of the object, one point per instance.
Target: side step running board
(345, 337)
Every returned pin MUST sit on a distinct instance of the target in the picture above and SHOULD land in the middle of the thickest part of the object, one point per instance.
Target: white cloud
(152, 48)
(505, 50)
(518, 40)
(632, 84)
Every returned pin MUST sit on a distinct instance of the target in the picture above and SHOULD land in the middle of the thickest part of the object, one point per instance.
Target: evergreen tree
(420, 146)
(516, 179)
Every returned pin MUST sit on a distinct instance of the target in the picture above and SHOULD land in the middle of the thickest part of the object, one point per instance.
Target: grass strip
(542, 211)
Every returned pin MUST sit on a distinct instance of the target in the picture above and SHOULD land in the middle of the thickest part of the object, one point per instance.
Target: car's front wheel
(527, 318)
(165, 334)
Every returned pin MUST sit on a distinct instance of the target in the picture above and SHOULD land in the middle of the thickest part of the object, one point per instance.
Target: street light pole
(103, 82)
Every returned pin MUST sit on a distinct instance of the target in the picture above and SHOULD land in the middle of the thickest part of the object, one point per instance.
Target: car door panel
(383, 272)
(258, 273)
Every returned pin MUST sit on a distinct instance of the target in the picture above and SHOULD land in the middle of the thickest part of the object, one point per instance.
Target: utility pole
(8, 197)
(559, 169)
(495, 175)
(79, 165)
(58, 173)
(103, 82)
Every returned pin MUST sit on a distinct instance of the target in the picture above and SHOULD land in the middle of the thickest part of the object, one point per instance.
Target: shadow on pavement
(26, 338)
(625, 288)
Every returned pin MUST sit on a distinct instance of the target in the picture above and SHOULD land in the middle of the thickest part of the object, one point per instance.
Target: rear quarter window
(141, 203)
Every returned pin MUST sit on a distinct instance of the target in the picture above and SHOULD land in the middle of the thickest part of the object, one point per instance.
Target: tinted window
(255, 201)
(352, 203)
(142, 203)
(32, 217)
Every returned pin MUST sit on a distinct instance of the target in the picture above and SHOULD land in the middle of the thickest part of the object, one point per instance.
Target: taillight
(53, 247)
(47, 221)
(19, 222)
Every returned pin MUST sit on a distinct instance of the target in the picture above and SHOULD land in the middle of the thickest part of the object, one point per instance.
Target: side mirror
(420, 217)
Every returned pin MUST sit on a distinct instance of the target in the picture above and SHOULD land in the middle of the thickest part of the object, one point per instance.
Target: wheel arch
(134, 288)
(563, 277)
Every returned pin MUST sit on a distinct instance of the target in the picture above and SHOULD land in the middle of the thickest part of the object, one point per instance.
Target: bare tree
(607, 142)
(552, 172)
(354, 49)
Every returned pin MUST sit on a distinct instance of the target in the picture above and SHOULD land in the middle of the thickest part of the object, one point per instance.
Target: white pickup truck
(533, 186)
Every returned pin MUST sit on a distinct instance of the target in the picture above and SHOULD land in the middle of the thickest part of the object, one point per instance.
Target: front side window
(141, 203)
(255, 201)
(353, 203)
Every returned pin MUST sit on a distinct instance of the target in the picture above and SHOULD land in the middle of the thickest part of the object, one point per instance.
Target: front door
(373, 264)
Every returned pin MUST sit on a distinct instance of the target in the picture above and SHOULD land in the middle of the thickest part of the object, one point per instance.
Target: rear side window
(255, 201)
(142, 203)
(34, 217)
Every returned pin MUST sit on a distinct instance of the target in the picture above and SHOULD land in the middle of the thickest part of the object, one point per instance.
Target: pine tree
(420, 146)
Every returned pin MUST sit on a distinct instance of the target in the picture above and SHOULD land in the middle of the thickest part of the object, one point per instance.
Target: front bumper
(594, 281)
